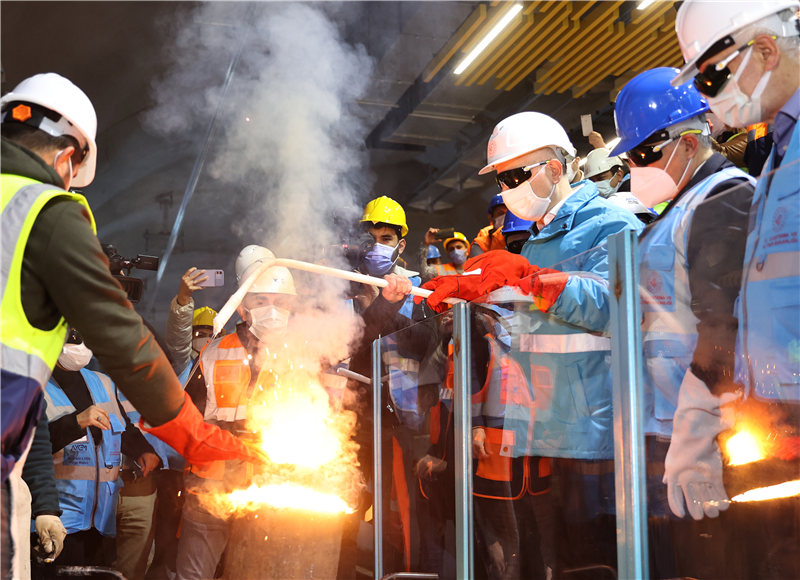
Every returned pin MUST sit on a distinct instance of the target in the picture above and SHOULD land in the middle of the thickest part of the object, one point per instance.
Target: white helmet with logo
(250, 255)
(276, 280)
(598, 162)
(523, 133)
(707, 28)
(78, 118)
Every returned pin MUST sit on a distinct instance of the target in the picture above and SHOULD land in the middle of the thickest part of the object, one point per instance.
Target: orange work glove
(464, 287)
(500, 268)
(545, 286)
(201, 442)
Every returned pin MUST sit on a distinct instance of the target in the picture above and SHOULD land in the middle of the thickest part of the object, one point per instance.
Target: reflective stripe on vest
(768, 308)
(403, 381)
(563, 343)
(446, 270)
(226, 369)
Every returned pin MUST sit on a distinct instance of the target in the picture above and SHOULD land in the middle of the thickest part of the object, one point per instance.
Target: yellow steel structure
(570, 45)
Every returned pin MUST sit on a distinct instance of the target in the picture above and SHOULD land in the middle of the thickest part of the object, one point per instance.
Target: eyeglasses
(647, 154)
(715, 76)
(513, 177)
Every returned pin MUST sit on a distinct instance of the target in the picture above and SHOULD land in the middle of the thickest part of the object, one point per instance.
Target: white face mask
(268, 322)
(605, 188)
(524, 203)
(652, 185)
(68, 181)
(74, 357)
(499, 221)
(198, 344)
(572, 170)
(735, 108)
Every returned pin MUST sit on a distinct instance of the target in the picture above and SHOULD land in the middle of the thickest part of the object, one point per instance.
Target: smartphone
(216, 278)
(444, 234)
(586, 125)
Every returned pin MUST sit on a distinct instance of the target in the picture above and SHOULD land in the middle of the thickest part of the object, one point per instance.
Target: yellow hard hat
(204, 316)
(386, 210)
(456, 236)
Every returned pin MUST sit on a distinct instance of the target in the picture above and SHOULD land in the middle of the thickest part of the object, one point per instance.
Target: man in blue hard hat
(516, 231)
(491, 237)
(685, 257)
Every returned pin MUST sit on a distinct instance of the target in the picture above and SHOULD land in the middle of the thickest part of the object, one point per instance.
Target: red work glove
(500, 268)
(788, 448)
(545, 286)
(201, 442)
(464, 287)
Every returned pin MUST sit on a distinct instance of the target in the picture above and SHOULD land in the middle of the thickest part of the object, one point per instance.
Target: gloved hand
(200, 442)
(500, 268)
(545, 286)
(693, 467)
(51, 534)
(465, 287)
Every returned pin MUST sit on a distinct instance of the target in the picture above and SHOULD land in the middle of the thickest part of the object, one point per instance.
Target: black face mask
(515, 247)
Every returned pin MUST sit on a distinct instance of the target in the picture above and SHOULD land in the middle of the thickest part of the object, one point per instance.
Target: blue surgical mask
(380, 259)
(458, 257)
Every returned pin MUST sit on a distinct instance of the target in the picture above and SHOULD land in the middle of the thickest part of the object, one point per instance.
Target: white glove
(51, 535)
(693, 467)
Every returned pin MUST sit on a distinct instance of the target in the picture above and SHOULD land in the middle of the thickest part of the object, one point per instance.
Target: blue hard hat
(649, 103)
(496, 200)
(514, 224)
(433, 252)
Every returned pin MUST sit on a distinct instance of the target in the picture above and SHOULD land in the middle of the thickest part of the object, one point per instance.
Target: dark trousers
(168, 518)
(5, 534)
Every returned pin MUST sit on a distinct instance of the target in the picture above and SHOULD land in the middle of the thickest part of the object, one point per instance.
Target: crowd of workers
(110, 446)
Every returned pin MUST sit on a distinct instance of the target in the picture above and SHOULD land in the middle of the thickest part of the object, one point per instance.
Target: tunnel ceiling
(428, 127)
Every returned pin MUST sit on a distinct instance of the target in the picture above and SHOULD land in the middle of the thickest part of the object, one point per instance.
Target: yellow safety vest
(26, 351)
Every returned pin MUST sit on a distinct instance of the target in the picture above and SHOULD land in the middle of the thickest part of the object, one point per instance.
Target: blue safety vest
(768, 341)
(87, 475)
(170, 458)
(669, 328)
(570, 367)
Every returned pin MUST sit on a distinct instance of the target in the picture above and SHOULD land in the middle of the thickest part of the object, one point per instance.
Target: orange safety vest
(509, 471)
(226, 369)
(446, 270)
(488, 242)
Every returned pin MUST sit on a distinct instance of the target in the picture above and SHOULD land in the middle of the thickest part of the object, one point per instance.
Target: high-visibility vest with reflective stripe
(170, 458)
(768, 309)
(226, 370)
(87, 475)
(28, 354)
(403, 375)
(446, 270)
(669, 330)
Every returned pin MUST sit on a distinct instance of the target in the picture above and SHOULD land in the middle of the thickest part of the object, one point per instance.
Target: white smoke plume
(288, 149)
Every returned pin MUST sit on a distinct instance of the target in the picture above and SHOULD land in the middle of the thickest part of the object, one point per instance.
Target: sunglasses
(513, 177)
(715, 76)
(648, 153)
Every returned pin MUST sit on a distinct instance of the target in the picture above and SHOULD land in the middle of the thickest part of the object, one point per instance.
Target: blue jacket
(87, 476)
(768, 341)
(570, 367)
(669, 328)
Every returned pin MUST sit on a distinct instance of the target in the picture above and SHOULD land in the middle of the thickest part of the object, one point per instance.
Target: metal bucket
(283, 544)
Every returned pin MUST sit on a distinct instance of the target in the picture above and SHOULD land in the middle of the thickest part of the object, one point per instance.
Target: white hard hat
(522, 133)
(250, 255)
(54, 92)
(706, 28)
(627, 200)
(276, 280)
(598, 162)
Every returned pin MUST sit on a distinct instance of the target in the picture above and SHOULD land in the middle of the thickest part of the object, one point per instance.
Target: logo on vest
(779, 219)
(654, 283)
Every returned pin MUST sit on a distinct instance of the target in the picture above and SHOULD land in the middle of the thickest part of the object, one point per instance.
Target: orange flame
(786, 489)
(286, 496)
(743, 448)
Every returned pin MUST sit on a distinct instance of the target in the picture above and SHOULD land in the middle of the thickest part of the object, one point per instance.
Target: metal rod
(410, 576)
(462, 409)
(377, 459)
(628, 400)
(201, 157)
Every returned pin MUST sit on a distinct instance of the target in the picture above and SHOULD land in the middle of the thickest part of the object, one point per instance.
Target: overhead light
(488, 38)
(613, 143)
(645, 4)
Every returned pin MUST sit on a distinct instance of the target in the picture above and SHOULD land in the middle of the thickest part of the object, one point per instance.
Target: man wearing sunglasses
(745, 56)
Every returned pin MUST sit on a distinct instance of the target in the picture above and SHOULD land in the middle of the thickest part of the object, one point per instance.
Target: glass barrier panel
(542, 419)
(719, 281)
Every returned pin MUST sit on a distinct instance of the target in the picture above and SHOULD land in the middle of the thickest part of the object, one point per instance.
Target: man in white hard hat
(53, 269)
(232, 371)
(608, 175)
(745, 59)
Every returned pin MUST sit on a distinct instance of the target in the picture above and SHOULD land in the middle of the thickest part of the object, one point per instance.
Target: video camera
(118, 263)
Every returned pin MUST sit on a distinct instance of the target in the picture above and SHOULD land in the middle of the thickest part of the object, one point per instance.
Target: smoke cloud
(288, 149)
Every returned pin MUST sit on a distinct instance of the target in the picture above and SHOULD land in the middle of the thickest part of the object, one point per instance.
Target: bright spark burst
(786, 489)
